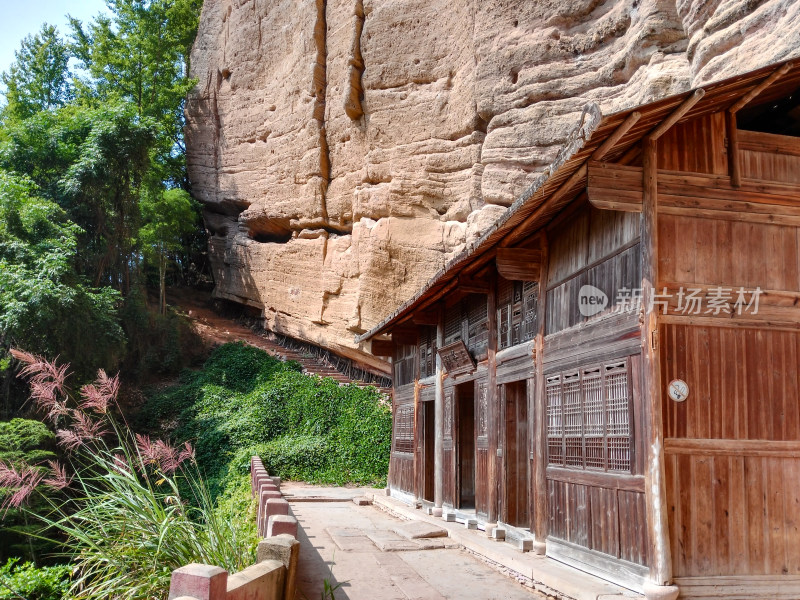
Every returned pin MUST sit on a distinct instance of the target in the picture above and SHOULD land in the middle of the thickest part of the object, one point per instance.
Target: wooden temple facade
(613, 369)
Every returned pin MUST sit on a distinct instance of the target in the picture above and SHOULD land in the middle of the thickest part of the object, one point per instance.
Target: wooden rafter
(751, 95)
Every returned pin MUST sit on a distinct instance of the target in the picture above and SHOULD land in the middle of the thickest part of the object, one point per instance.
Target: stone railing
(274, 575)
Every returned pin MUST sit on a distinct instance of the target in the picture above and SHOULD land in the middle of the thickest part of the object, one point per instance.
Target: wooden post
(733, 150)
(438, 446)
(655, 493)
(539, 491)
(491, 397)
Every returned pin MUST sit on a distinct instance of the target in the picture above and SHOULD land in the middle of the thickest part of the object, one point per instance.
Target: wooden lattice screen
(589, 418)
(516, 312)
(404, 429)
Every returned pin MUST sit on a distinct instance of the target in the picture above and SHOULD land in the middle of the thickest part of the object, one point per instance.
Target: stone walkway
(372, 561)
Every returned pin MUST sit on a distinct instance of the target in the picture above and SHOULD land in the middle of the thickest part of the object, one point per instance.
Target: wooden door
(448, 448)
(516, 454)
(465, 448)
(482, 453)
(428, 435)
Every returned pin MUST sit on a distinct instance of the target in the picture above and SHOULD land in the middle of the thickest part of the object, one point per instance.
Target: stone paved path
(374, 562)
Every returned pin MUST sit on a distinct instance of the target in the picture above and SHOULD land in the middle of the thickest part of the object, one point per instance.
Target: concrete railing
(274, 575)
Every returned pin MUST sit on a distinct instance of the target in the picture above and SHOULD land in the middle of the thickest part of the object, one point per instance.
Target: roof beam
(676, 115)
(749, 96)
(616, 136)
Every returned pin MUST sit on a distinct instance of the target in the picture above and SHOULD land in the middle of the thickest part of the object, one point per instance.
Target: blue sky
(23, 17)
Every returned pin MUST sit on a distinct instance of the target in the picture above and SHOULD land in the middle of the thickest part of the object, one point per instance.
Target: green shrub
(26, 440)
(25, 580)
(246, 402)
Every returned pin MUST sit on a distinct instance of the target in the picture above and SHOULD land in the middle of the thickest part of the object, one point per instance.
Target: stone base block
(202, 582)
(471, 523)
(499, 534)
(450, 517)
(660, 592)
(285, 549)
(279, 524)
(525, 545)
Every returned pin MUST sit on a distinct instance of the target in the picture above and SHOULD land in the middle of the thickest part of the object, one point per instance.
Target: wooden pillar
(733, 150)
(539, 491)
(438, 446)
(655, 493)
(492, 398)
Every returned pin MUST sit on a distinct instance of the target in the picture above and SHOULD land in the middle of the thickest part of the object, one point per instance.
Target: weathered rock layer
(345, 149)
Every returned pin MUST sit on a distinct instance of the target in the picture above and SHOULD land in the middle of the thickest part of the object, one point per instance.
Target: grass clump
(245, 402)
(130, 509)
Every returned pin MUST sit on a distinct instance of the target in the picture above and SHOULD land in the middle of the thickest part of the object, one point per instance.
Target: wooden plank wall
(733, 447)
(769, 157)
(607, 520)
(696, 146)
(594, 247)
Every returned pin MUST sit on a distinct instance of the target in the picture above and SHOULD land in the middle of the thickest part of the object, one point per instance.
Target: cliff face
(344, 149)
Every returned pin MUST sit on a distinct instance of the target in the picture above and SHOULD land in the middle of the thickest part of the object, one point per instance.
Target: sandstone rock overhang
(568, 173)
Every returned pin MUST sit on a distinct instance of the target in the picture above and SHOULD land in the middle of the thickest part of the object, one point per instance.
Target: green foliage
(169, 217)
(44, 305)
(31, 583)
(38, 80)
(162, 344)
(246, 402)
(25, 440)
(31, 442)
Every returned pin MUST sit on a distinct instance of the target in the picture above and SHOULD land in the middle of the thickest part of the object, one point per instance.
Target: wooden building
(612, 369)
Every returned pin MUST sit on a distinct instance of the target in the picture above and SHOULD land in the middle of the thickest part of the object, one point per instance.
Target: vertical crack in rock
(320, 83)
(355, 92)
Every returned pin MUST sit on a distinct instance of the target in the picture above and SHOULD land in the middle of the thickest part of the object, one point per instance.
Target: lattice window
(404, 365)
(427, 351)
(504, 327)
(530, 292)
(573, 420)
(404, 429)
(589, 418)
(478, 321)
(516, 312)
(618, 422)
(593, 418)
(555, 421)
(452, 324)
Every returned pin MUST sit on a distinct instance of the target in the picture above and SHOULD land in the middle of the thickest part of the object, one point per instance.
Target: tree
(141, 55)
(45, 304)
(39, 78)
(105, 183)
(168, 218)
